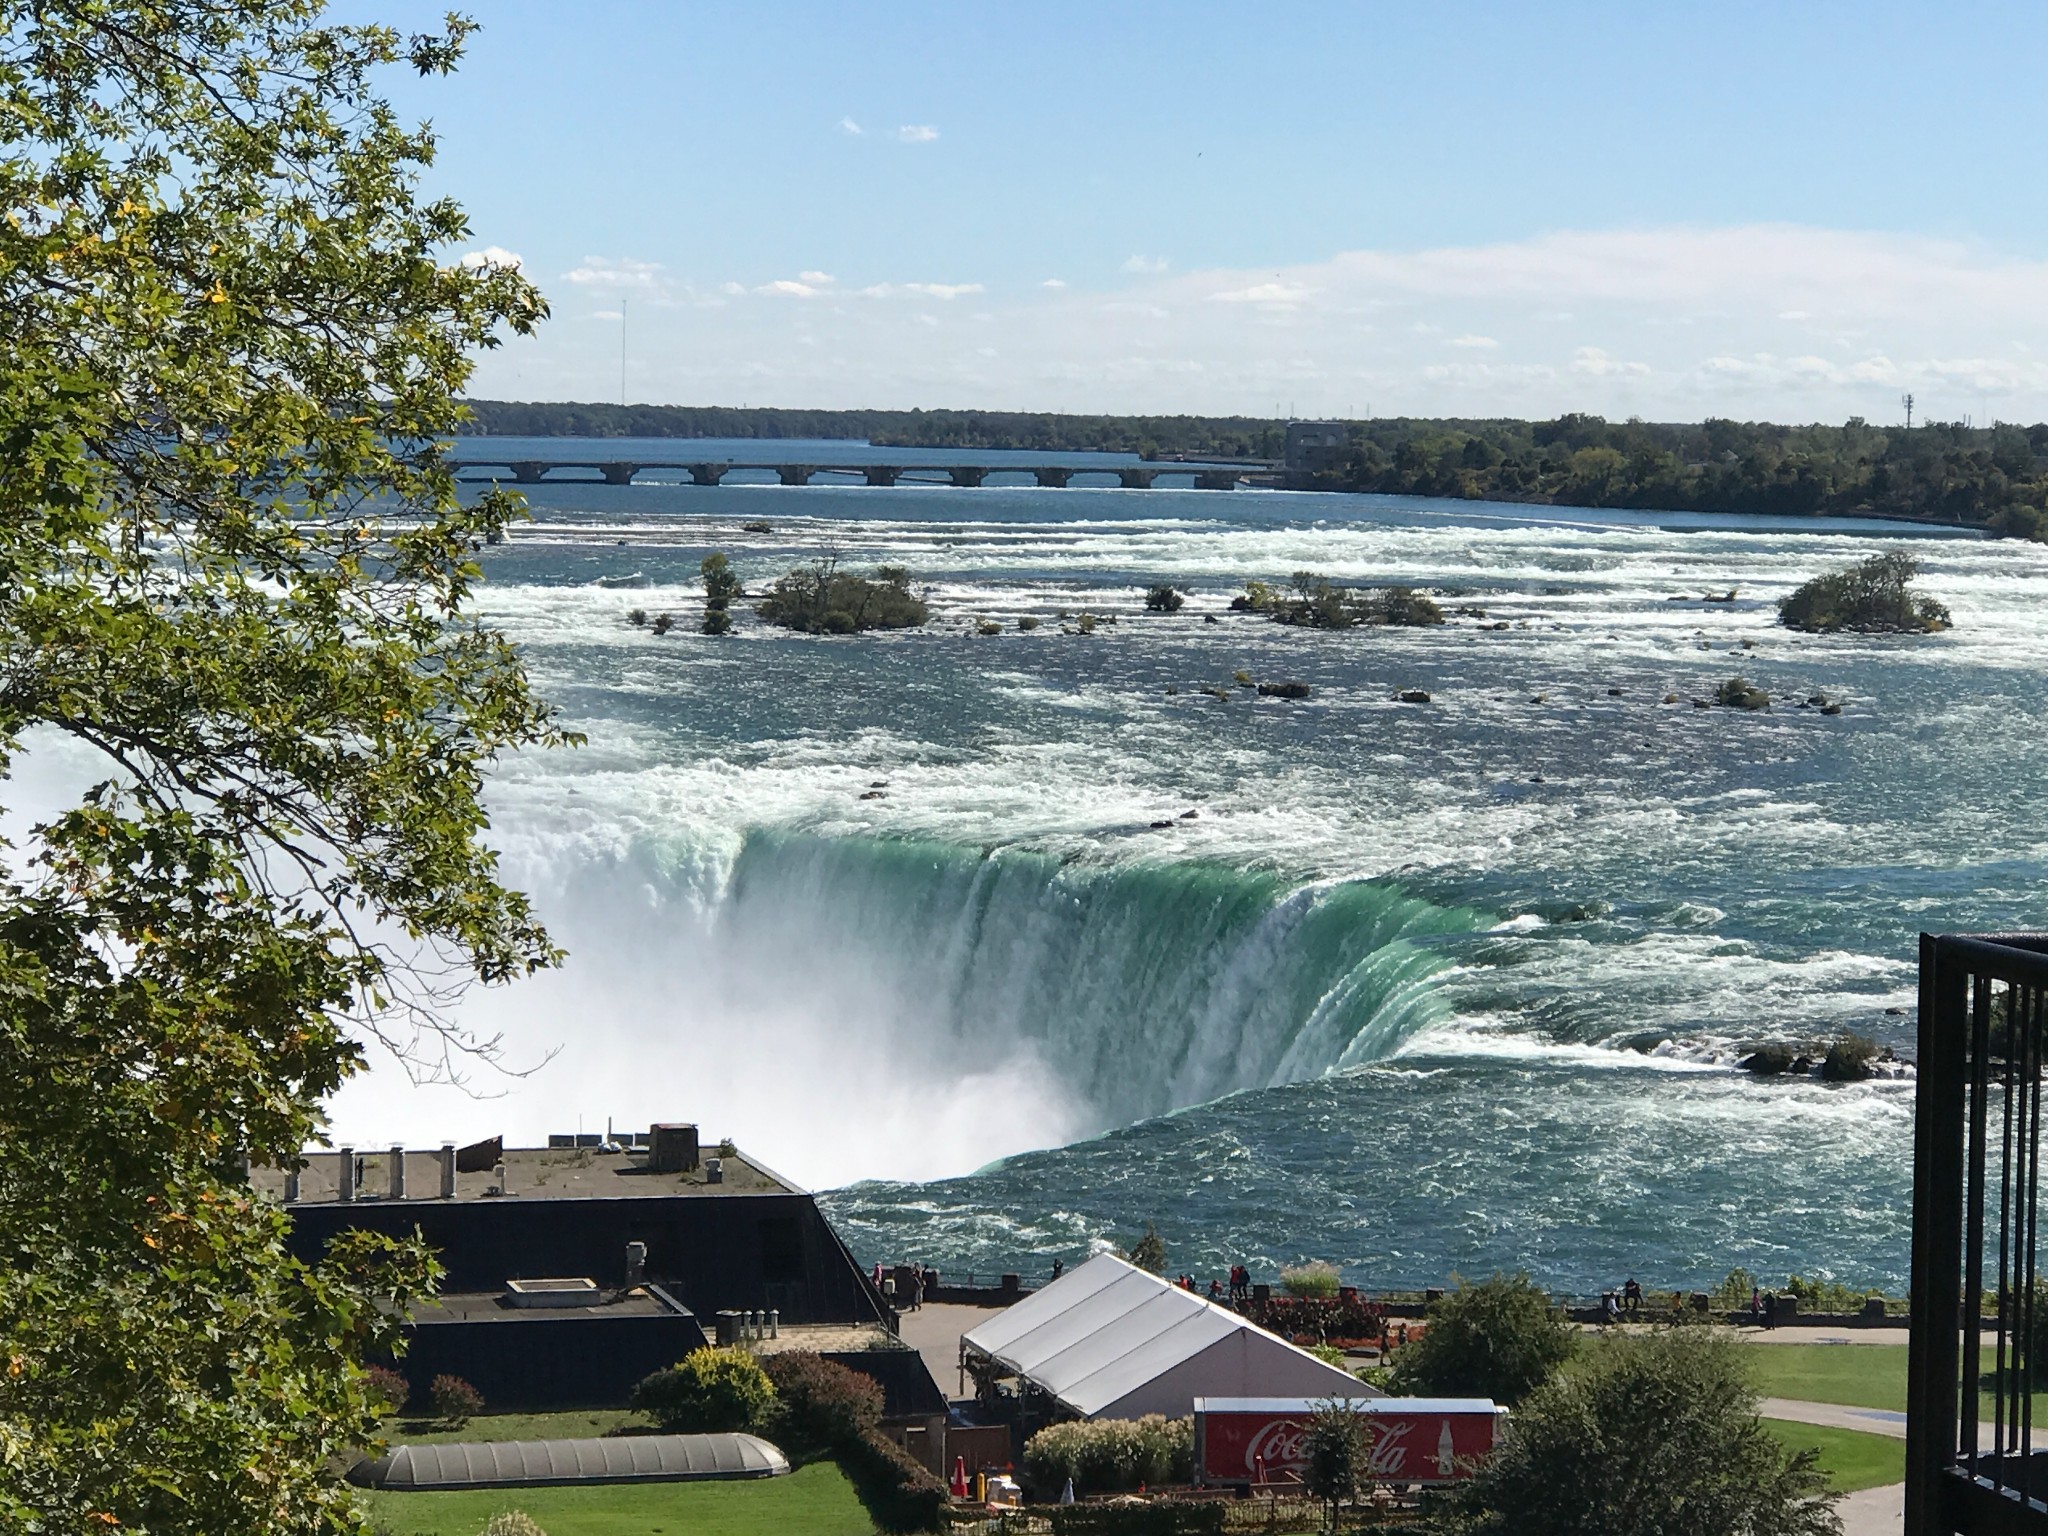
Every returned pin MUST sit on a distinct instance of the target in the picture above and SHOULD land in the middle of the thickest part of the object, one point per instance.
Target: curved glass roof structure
(540, 1463)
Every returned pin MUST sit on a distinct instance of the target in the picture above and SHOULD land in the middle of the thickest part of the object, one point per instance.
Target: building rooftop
(491, 1306)
(560, 1172)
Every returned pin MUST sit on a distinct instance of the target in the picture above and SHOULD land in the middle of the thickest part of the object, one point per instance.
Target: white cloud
(622, 273)
(817, 279)
(923, 290)
(491, 256)
(1474, 341)
(917, 133)
(1147, 266)
(1964, 327)
(1288, 294)
(1054, 282)
(848, 126)
(1597, 363)
(732, 288)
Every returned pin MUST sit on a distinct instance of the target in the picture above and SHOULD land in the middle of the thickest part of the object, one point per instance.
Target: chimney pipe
(345, 1174)
(398, 1171)
(447, 1170)
(291, 1186)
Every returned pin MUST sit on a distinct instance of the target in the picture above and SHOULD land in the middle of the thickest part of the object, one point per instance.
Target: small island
(1874, 597)
(1318, 603)
(821, 599)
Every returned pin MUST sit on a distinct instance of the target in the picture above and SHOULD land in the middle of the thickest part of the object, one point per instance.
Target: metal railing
(1974, 1462)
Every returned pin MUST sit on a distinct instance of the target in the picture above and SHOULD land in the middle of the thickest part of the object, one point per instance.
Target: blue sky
(1788, 211)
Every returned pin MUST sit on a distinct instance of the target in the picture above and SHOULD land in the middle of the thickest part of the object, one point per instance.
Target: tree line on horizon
(1995, 476)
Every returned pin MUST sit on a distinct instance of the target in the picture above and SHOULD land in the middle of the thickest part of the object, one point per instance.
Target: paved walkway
(1871, 1421)
(934, 1330)
(1874, 1511)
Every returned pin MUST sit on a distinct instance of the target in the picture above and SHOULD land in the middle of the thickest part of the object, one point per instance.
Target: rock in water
(1288, 690)
(1413, 696)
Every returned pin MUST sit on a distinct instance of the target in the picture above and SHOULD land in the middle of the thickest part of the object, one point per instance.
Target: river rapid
(1414, 988)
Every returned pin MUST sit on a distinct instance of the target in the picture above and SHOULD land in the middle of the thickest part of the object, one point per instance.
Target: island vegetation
(1318, 603)
(822, 599)
(1873, 597)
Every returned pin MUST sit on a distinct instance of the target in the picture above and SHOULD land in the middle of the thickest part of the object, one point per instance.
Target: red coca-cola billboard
(1422, 1440)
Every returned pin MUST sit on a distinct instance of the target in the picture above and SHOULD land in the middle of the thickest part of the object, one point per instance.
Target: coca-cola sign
(1403, 1447)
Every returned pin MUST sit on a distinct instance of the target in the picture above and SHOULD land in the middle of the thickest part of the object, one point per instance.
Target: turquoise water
(1417, 988)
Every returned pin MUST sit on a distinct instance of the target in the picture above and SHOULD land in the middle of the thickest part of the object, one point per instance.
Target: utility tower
(1907, 400)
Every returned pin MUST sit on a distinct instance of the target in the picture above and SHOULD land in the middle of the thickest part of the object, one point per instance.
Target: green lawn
(588, 1424)
(815, 1501)
(1858, 1375)
(1851, 1459)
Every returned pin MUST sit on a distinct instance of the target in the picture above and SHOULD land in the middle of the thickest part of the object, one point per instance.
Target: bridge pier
(967, 475)
(882, 474)
(1136, 479)
(618, 474)
(708, 474)
(795, 474)
(1217, 480)
(1054, 475)
(529, 471)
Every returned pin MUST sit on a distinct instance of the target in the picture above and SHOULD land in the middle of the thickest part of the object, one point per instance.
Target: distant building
(575, 1269)
(1314, 447)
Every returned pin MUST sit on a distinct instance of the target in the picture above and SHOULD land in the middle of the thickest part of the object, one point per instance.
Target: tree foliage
(1318, 603)
(1500, 1339)
(1149, 1251)
(1334, 1441)
(708, 1391)
(821, 599)
(234, 575)
(1656, 1436)
(1874, 596)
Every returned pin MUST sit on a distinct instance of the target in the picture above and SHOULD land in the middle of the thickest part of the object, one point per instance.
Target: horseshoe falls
(1014, 942)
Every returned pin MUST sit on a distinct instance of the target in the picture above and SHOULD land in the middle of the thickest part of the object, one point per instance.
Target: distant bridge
(1207, 477)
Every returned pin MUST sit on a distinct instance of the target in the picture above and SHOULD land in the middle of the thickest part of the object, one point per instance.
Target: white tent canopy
(1110, 1341)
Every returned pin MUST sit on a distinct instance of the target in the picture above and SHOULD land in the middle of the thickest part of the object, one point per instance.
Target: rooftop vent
(580, 1292)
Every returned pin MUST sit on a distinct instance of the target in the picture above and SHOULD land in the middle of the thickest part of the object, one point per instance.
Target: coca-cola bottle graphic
(1446, 1459)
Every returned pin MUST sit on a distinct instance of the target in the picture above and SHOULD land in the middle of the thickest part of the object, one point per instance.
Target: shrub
(1740, 693)
(1657, 1433)
(1336, 1454)
(664, 623)
(637, 617)
(1106, 1455)
(896, 1490)
(717, 622)
(708, 1391)
(721, 586)
(1085, 623)
(1735, 1289)
(1162, 599)
(1149, 1251)
(1402, 606)
(1177, 1517)
(1499, 1339)
(1027, 622)
(512, 1522)
(821, 599)
(821, 1406)
(454, 1399)
(1873, 597)
(388, 1390)
(1315, 1278)
(1848, 1059)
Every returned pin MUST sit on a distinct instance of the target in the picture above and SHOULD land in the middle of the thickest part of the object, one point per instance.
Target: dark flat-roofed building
(665, 1237)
